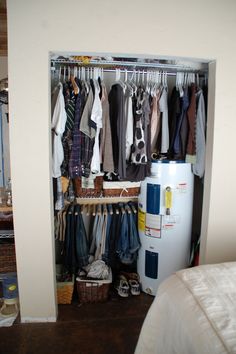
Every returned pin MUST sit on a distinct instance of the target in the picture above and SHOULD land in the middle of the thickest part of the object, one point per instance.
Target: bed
(194, 312)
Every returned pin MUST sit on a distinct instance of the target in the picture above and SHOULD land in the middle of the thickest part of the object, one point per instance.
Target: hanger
(117, 210)
(99, 209)
(131, 82)
(82, 209)
(104, 209)
(127, 208)
(119, 81)
(74, 84)
(88, 209)
(133, 208)
(110, 209)
(94, 209)
(59, 75)
(122, 209)
(64, 73)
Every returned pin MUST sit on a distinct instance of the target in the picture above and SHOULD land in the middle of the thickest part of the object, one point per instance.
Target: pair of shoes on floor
(126, 285)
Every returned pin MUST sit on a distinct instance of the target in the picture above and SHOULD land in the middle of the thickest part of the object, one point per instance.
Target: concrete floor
(103, 328)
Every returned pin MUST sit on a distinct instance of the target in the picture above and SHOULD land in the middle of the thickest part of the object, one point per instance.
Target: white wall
(3, 68)
(194, 29)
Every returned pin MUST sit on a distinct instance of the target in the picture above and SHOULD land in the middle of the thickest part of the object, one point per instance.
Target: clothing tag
(88, 182)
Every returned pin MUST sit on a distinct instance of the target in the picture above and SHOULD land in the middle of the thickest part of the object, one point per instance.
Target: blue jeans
(129, 242)
(76, 243)
(105, 256)
(81, 241)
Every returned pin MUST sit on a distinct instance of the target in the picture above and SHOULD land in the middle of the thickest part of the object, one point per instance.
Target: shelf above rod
(143, 66)
(106, 200)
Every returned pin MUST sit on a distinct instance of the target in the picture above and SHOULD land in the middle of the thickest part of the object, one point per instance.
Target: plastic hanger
(133, 208)
(64, 74)
(110, 209)
(88, 210)
(128, 209)
(104, 209)
(82, 209)
(94, 209)
(117, 210)
(74, 84)
(59, 74)
(122, 208)
(99, 209)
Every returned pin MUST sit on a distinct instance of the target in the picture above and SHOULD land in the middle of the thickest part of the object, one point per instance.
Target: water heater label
(170, 221)
(141, 220)
(153, 225)
(182, 187)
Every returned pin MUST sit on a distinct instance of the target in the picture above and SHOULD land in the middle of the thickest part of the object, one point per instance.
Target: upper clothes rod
(111, 66)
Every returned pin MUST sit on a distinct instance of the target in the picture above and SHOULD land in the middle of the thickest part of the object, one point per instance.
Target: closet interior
(111, 118)
(8, 297)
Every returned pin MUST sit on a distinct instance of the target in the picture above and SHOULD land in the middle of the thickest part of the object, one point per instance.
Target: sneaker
(134, 287)
(122, 286)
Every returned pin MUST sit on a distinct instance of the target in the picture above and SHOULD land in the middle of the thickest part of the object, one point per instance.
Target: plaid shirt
(75, 169)
(86, 154)
(67, 137)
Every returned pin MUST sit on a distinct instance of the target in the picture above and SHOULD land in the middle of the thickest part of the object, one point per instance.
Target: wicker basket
(7, 258)
(65, 292)
(88, 192)
(121, 189)
(93, 290)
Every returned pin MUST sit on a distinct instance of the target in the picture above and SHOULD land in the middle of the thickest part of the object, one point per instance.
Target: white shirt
(199, 166)
(58, 126)
(129, 127)
(165, 126)
(96, 116)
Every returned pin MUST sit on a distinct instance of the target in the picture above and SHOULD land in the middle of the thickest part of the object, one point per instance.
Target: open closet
(111, 118)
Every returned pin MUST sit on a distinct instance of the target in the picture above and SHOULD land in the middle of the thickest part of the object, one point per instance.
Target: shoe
(134, 287)
(122, 286)
(131, 275)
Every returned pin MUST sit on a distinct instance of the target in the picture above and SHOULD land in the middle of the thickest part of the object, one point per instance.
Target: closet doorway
(92, 190)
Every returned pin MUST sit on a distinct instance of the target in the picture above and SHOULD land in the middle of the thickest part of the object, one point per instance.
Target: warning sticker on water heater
(182, 187)
(170, 221)
(141, 220)
(153, 225)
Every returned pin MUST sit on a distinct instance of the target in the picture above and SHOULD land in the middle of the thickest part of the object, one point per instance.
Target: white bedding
(194, 312)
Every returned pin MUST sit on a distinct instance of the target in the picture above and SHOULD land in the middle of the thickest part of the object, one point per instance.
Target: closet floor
(104, 328)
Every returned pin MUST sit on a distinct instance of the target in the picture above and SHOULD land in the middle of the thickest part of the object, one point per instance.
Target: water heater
(164, 222)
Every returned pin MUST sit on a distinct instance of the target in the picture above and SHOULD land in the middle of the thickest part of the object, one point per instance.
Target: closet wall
(3, 68)
(182, 29)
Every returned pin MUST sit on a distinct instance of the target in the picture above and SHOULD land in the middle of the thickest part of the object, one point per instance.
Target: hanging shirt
(155, 121)
(199, 166)
(75, 169)
(164, 123)
(96, 117)
(84, 123)
(146, 116)
(67, 136)
(106, 150)
(184, 126)
(174, 115)
(117, 119)
(129, 123)
(191, 114)
(139, 155)
(87, 134)
(58, 127)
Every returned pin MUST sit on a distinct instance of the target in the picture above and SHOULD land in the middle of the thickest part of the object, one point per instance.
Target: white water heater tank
(164, 222)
